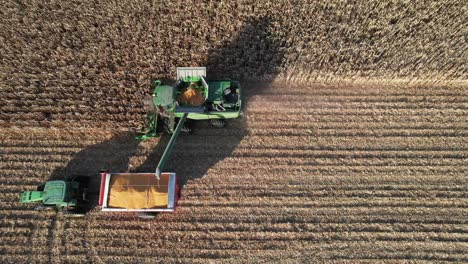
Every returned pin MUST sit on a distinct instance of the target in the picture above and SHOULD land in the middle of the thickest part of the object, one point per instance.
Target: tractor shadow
(114, 154)
(254, 52)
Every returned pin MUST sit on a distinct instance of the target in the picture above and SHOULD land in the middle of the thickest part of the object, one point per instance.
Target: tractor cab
(59, 192)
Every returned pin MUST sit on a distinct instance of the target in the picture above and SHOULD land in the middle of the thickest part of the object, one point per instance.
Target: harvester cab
(68, 196)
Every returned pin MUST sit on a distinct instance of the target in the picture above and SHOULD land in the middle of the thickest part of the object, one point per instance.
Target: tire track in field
(89, 241)
(36, 241)
(55, 239)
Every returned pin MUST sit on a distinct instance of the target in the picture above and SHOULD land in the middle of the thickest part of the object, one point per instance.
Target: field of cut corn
(353, 145)
(322, 172)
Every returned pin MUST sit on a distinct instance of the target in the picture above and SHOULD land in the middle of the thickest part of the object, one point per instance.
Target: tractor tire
(217, 123)
(146, 215)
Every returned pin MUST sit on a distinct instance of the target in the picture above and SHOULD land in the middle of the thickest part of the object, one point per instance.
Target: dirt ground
(311, 172)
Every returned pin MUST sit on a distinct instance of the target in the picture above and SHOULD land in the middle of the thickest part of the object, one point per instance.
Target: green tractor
(67, 196)
(213, 100)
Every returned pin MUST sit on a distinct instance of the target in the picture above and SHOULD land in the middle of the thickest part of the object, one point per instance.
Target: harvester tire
(217, 123)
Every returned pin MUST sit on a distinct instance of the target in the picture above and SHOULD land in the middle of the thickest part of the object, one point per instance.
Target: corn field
(353, 146)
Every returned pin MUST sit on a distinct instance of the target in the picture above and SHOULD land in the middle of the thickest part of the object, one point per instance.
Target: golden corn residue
(191, 96)
(138, 191)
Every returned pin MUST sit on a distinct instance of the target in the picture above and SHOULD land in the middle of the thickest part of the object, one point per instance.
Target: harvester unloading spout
(170, 145)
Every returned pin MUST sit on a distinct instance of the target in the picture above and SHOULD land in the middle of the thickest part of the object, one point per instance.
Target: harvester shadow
(254, 53)
(114, 154)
